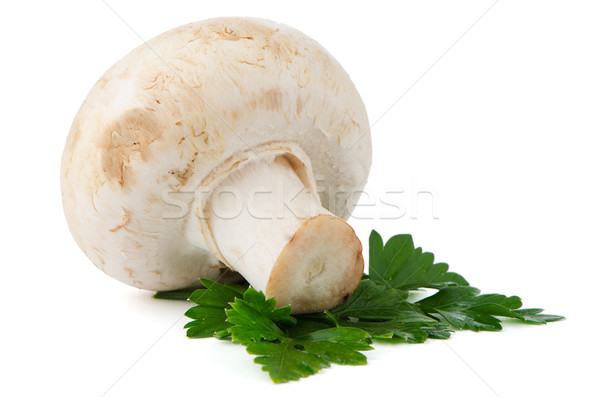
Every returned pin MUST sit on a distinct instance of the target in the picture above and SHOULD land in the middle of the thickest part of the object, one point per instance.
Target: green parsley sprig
(291, 347)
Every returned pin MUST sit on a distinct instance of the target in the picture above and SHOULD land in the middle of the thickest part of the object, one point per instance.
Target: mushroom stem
(273, 230)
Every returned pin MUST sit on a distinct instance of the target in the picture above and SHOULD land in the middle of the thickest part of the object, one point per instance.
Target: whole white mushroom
(233, 143)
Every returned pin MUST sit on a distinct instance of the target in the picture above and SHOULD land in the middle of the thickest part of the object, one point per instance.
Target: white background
(502, 125)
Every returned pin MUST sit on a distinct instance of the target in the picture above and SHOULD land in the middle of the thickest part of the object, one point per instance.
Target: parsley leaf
(463, 308)
(372, 301)
(534, 316)
(411, 328)
(384, 313)
(262, 329)
(400, 265)
(209, 314)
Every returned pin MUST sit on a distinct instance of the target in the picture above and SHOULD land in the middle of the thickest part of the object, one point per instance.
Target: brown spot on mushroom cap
(252, 64)
(299, 106)
(126, 219)
(125, 139)
(184, 174)
(269, 99)
(234, 29)
(229, 34)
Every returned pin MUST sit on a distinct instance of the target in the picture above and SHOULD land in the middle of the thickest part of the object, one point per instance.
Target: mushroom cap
(164, 117)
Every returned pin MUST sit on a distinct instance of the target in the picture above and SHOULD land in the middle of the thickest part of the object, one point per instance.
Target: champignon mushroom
(229, 143)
